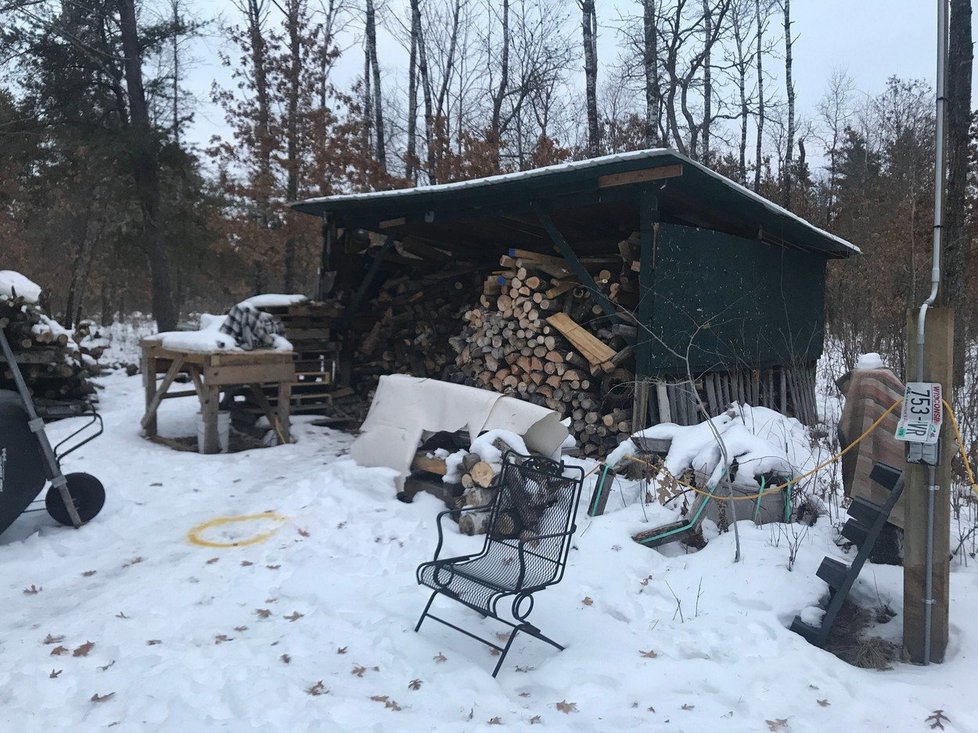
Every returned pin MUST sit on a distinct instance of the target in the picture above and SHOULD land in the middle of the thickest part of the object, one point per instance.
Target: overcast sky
(870, 39)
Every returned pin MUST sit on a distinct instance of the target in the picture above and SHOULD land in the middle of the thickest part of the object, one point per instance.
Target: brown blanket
(869, 392)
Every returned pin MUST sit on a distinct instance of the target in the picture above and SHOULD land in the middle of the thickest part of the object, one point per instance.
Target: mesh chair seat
(528, 533)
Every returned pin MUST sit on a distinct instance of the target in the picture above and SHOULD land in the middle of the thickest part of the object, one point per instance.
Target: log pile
(539, 335)
(412, 320)
(54, 366)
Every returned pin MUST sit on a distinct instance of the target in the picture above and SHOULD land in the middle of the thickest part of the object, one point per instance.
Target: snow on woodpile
(14, 285)
(51, 361)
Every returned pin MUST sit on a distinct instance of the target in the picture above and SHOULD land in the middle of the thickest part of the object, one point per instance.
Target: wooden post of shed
(938, 367)
(326, 266)
(648, 220)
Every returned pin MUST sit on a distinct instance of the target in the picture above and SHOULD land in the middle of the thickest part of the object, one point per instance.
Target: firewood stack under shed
(538, 334)
(54, 366)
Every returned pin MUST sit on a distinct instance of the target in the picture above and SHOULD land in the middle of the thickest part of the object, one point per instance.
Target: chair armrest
(441, 515)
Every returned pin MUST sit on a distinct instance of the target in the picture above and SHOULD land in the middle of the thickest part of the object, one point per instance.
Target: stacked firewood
(540, 335)
(53, 365)
(414, 317)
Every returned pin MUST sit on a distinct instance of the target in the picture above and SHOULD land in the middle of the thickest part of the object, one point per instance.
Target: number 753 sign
(922, 413)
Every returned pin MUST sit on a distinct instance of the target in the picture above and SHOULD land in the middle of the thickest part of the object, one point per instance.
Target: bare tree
(760, 23)
(650, 63)
(589, 25)
(789, 85)
(372, 73)
(835, 111)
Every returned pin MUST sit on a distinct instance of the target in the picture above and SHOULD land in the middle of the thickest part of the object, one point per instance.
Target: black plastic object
(528, 535)
(863, 528)
(87, 494)
(22, 473)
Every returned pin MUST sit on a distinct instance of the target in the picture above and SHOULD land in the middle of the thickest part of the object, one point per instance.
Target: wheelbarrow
(28, 460)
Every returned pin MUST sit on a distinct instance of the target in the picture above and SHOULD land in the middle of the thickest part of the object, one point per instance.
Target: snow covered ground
(126, 623)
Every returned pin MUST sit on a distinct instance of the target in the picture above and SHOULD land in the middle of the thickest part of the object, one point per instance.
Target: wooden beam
(593, 349)
(154, 403)
(642, 176)
(389, 223)
(583, 276)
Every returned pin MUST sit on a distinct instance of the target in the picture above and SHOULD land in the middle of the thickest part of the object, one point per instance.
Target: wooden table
(212, 372)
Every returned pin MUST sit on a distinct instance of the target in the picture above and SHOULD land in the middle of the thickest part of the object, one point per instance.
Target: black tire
(86, 492)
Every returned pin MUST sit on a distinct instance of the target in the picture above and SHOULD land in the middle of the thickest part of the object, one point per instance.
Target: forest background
(113, 199)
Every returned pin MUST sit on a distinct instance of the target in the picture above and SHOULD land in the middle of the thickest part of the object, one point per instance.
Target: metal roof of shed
(593, 201)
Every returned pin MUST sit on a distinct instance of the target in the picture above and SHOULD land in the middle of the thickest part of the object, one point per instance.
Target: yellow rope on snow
(194, 538)
(961, 450)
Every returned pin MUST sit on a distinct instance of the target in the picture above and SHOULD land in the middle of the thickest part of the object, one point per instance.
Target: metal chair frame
(516, 560)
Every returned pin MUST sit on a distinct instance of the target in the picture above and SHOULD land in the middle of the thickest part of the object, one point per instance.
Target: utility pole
(930, 362)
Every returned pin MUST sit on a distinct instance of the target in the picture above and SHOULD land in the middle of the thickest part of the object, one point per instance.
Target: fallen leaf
(495, 721)
(358, 670)
(341, 650)
(101, 698)
(524, 694)
(121, 615)
(440, 658)
(379, 698)
(134, 561)
(286, 658)
(58, 651)
(240, 629)
(566, 707)
(317, 689)
(153, 642)
(777, 724)
(221, 638)
(273, 567)
(303, 532)
(646, 580)
(84, 649)
(246, 563)
(55, 673)
(89, 573)
(33, 590)
(212, 560)
(53, 639)
(263, 612)
(587, 601)
(106, 666)
(650, 654)
(651, 709)
(535, 719)
(824, 703)
(687, 706)
(294, 617)
(392, 705)
(414, 685)
(525, 669)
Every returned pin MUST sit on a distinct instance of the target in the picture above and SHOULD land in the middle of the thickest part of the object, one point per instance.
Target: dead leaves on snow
(33, 590)
(440, 658)
(55, 673)
(263, 612)
(937, 719)
(49, 639)
(294, 617)
(101, 698)
(317, 689)
(566, 707)
(588, 601)
(777, 724)
(414, 685)
(388, 703)
(58, 651)
(84, 649)
(650, 654)
(341, 650)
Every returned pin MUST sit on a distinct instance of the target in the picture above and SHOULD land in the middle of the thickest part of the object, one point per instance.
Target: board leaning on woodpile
(538, 334)
(54, 366)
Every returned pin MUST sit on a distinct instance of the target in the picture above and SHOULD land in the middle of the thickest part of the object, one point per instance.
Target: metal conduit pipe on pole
(935, 281)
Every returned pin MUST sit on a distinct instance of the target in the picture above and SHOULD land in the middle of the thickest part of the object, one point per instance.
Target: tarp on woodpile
(405, 409)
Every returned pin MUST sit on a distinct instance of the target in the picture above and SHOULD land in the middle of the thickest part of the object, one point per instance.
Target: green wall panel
(731, 302)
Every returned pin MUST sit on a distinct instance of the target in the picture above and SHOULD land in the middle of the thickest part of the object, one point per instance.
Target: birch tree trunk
(411, 154)
(380, 150)
(760, 95)
(650, 65)
(707, 80)
(790, 92)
